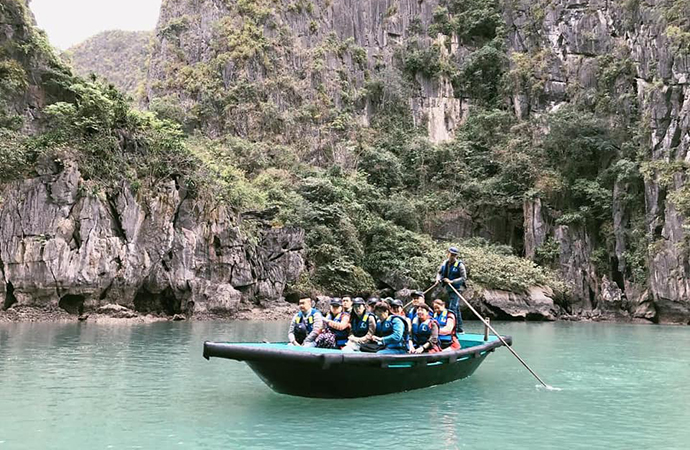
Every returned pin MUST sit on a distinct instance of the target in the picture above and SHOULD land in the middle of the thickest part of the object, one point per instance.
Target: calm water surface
(87, 386)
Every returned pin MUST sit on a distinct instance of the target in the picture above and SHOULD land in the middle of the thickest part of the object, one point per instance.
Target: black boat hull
(335, 374)
(337, 382)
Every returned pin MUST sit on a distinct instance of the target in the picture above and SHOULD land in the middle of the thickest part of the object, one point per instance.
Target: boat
(327, 373)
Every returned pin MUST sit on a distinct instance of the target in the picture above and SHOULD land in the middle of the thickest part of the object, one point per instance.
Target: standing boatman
(453, 272)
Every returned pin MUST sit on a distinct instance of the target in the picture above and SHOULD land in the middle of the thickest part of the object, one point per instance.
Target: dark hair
(382, 306)
(425, 307)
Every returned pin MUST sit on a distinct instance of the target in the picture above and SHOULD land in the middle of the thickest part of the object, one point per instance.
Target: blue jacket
(394, 332)
(455, 271)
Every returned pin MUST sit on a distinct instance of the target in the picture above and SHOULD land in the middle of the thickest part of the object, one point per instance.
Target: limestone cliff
(166, 252)
(317, 73)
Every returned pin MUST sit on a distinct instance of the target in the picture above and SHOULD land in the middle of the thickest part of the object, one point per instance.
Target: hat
(358, 301)
(453, 251)
(336, 302)
(388, 300)
(372, 301)
(417, 294)
(397, 302)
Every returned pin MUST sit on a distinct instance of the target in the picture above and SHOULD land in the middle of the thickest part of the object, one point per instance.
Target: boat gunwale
(239, 352)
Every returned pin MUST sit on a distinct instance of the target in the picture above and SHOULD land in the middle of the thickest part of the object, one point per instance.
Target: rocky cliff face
(118, 56)
(626, 60)
(575, 45)
(63, 246)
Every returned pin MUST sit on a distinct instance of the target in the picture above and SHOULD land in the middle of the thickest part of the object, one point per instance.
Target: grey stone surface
(161, 252)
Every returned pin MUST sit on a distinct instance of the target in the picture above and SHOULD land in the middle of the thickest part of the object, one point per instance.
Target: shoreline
(115, 314)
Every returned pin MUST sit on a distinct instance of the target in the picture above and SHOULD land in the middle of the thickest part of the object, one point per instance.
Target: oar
(430, 288)
(499, 337)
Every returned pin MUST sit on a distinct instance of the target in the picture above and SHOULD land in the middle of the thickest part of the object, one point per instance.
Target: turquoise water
(87, 386)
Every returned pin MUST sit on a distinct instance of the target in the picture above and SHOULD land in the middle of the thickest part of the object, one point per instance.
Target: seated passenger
(417, 300)
(347, 304)
(338, 322)
(371, 302)
(397, 309)
(306, 325)
(446, 322)
(391, 331)
(362, 324)
(424, 336)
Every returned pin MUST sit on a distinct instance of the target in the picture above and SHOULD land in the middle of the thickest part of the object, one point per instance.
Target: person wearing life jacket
(391, 330)
(306, 325)
(397, 309)
(371, 302)
(417, 301)
(347, 304)
(453, 273)
(446, 323)
(362, 326)
(338, 322)
(424, 336)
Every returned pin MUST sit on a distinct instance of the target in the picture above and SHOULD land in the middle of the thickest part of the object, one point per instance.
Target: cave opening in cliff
(73, 304)
(616, 275)
(163, 302)
(10, 299)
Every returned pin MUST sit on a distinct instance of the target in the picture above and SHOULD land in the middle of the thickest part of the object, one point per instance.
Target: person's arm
(397, 334)
(291, 331)
(433, 340)
(450, 326)
(342, 325)
(318, 325)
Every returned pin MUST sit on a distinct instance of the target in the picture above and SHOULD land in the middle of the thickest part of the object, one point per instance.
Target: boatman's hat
(416, 294)
(336, 302)
(453, 251)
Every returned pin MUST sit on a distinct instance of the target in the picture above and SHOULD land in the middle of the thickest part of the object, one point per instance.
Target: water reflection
(90, 386)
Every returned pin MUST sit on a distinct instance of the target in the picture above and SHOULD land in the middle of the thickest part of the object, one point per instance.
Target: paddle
(430, 288)
(499, 337)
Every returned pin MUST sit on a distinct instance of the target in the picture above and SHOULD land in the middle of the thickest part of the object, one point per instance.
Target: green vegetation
(117, 56)
(250, 128)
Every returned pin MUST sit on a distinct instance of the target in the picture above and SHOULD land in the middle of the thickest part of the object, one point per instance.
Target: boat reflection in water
(326, 373)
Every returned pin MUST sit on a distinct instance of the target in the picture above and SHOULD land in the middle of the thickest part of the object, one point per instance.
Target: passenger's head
(382, 310)
(347, 303)
(423, 312)
(371, 302)
(358, 306)
(417, 298)
(396, 306)
(305, 305)
(439, 306)
(453, 254)
(336, 305)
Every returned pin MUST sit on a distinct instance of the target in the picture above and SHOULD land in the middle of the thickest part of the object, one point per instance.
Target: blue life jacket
(360, 326)
(340, 335)
(453, 271)
(304, 326)
(412, 313)
(421, 332)
(385, 328)
(442, 321)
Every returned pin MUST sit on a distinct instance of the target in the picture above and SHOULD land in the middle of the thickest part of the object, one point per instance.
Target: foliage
(117, 56)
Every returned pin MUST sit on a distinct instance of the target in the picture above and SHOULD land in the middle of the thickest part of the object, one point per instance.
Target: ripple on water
(147, 386)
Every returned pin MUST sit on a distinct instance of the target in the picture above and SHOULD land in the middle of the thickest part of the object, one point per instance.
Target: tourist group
(383, 325)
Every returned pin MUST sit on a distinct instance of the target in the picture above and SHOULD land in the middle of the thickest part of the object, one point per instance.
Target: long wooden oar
(430, 288)
(499, 337)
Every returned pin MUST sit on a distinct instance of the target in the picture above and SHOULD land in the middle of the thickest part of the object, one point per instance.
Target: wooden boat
(325, 373)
